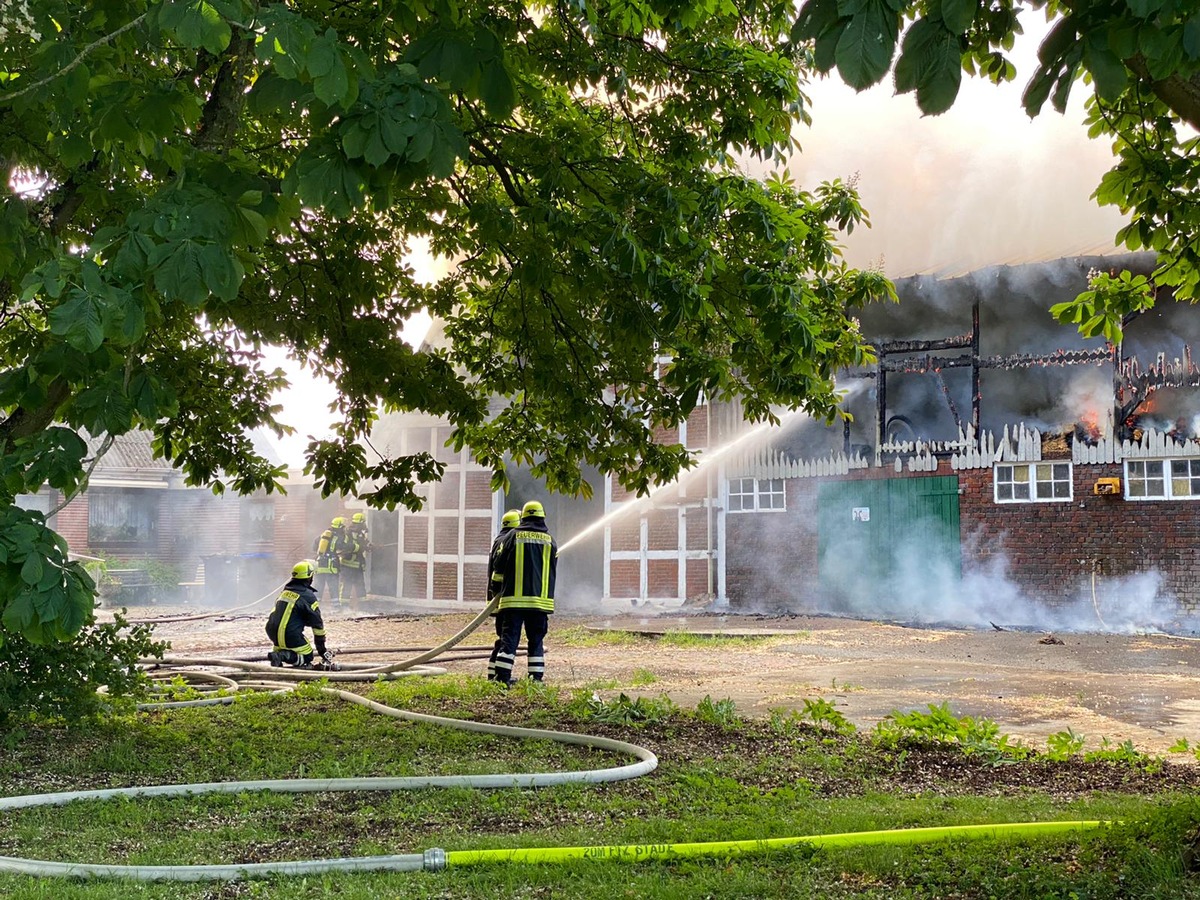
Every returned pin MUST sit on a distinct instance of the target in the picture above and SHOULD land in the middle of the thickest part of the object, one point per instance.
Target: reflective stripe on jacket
(526, 566)
(296, 608)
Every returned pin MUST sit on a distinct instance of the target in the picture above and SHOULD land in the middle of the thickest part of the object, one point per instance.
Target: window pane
(1021, 490)
(1020, 473)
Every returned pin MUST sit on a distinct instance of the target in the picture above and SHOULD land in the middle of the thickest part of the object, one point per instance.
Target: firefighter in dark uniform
(329, 547)
(526, 564)
(508, 522)
(296, 609)
(354, 562)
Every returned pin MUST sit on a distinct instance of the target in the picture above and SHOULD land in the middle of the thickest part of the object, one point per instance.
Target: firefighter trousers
(536, 623)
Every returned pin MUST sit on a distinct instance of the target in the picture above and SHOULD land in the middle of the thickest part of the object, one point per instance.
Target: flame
(1089, 424)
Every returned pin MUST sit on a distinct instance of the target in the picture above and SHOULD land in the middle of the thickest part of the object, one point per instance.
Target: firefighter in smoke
(525, 567)
(353, 580)
(329, 547)
(297, 608)
(508, 522)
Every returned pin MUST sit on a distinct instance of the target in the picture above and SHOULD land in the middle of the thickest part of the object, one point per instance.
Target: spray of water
(706, 459)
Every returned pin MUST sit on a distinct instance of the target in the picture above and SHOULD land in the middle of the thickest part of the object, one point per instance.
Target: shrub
(58, 680)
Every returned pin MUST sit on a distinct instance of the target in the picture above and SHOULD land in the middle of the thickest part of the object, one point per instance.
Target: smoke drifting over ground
(921, 588)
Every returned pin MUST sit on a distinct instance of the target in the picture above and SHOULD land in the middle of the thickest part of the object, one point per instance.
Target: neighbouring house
(168, 541)
(1007, 472)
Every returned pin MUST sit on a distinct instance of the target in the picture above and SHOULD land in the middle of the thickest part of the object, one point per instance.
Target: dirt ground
(1140, 687)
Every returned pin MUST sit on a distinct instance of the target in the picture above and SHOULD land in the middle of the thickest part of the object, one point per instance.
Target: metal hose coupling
(434, 859)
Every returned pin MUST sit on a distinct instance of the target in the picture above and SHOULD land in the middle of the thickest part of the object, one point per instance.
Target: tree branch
(99, 42)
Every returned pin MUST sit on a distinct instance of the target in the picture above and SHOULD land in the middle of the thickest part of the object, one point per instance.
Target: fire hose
(254, 675)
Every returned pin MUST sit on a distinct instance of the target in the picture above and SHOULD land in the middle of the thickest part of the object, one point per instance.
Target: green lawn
(720, 778)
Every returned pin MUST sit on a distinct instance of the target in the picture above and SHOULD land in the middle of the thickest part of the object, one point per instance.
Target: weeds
(718, 712)
(1063, 745)
(624, 710)
(940, 726)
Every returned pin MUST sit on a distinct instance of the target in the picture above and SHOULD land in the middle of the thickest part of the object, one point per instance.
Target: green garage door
(890, 545)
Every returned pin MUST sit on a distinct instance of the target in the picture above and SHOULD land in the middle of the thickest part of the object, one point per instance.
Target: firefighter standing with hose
(508, 522)
(525, 567)
(329, 547)
(353, 556)
(296, 609)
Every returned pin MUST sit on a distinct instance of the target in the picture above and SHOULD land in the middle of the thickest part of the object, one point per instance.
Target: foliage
(1125, 753)
(718, 712)
(58, 680)
(825, 715)
(940, 725)
(624, 710)
(188, 182)
(1141, 61)
(1063, 745)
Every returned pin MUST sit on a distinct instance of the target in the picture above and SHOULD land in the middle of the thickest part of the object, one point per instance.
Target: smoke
(910, 582)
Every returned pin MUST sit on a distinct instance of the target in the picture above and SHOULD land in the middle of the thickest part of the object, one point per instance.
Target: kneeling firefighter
(296, 609)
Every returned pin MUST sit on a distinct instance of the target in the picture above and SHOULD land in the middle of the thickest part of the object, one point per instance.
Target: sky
(979, 185)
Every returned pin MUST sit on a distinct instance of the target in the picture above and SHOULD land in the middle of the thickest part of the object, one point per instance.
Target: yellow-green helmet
(338, 522)
(358, 518)
(306, 568)
(533, 508)
(511, 519)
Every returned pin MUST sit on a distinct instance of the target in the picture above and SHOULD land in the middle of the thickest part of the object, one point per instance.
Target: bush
(58, 680)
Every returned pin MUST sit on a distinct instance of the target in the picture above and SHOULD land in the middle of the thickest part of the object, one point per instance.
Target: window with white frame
(1162, 479)
(756, 494)
(1042, 482)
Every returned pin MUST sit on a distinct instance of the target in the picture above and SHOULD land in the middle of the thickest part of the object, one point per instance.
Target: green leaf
(1108, 72)
(31, 570)
(78, 320)
(864, 50)
(814, 19)
(959, 14)
(179, 271)
(942, 77)
(197, 24)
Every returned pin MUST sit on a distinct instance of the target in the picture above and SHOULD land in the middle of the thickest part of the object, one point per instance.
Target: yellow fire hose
(646, 852)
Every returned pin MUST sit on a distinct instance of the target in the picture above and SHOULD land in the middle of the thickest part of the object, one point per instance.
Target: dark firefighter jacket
(526, 565)
(494, 584)
(295, 610)
(330, 545)
(354, 548)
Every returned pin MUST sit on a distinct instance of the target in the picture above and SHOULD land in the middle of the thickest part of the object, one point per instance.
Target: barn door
(889, 546)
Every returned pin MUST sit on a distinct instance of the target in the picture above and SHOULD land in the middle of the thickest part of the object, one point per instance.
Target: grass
(720, 778)
(580, 636)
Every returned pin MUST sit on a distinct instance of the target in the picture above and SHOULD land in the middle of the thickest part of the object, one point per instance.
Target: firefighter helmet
(338, 522)
(306, 568)
(358, 518)
(533, 508)
(511, 519)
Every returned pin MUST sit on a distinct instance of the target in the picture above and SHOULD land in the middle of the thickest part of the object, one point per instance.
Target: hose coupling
(434, 859)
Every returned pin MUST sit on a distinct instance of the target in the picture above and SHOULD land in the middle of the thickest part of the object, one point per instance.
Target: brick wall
(416, 534)
(1048, 550)
(624, 577)
(663, 577)
(1051, 548)
(771, 557)
(479, 490)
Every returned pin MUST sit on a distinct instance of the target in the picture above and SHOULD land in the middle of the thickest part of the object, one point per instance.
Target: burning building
(996, 466)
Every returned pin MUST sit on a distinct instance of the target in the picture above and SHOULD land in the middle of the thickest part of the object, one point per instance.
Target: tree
(190, 180)
(1139, 58)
